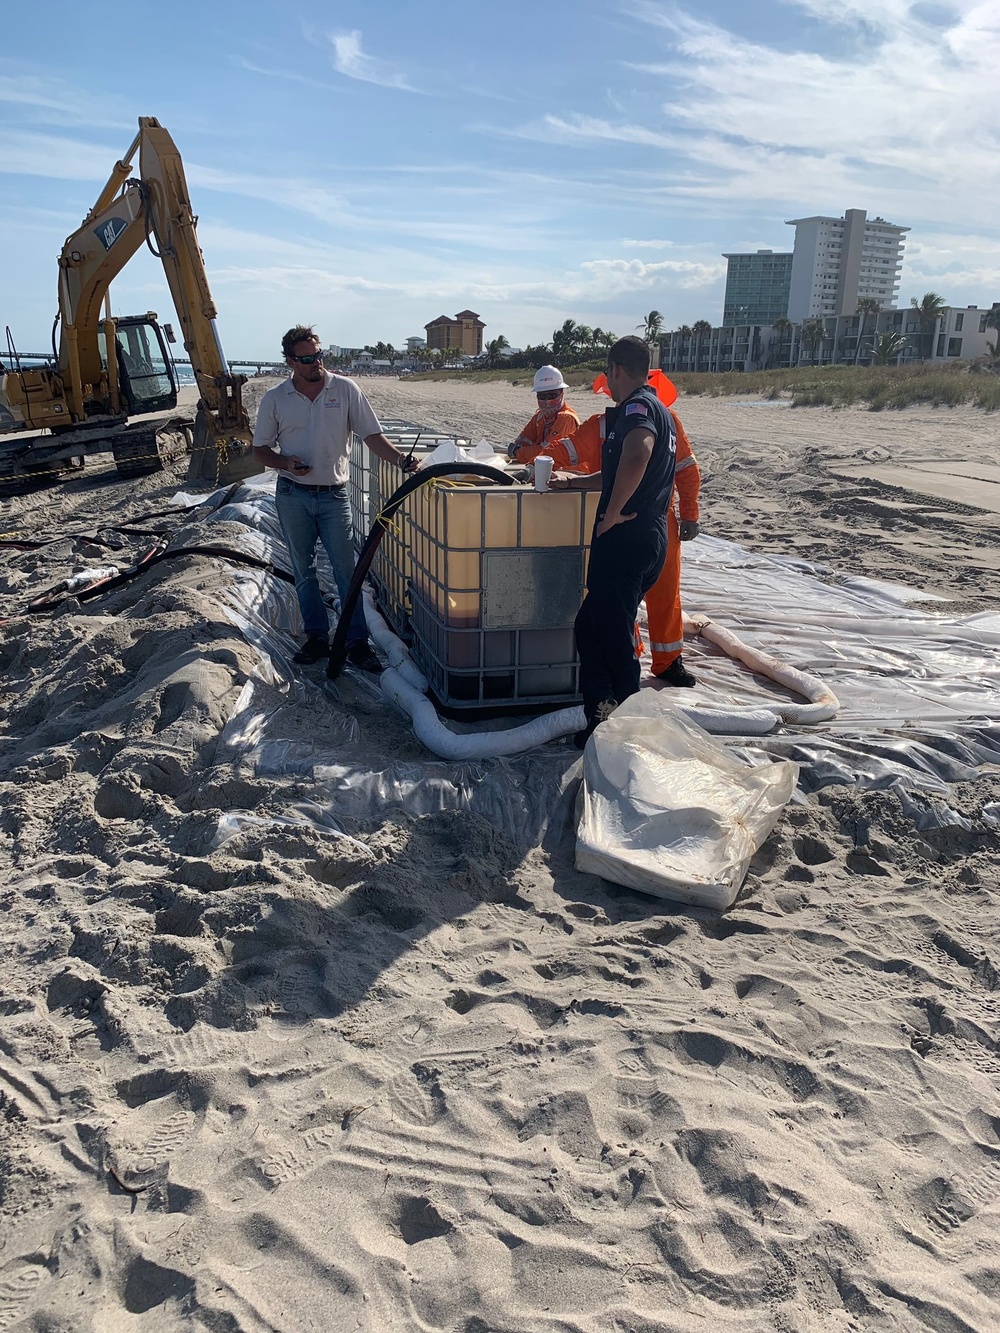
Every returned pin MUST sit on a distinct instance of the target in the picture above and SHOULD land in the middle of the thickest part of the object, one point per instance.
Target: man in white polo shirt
(303, 430)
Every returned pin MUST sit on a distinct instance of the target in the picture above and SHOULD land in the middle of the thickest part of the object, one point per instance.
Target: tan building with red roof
(465, 332)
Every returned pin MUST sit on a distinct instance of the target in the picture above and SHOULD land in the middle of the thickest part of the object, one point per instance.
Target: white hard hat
(548, 378)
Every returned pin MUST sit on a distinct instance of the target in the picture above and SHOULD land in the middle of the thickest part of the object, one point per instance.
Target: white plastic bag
(450, 452)
(668, 810)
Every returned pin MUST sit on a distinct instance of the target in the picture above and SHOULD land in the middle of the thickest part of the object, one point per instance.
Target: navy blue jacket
(652, 496)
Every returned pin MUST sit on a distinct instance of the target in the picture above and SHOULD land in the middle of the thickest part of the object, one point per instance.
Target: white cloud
(962, 268)
(290, 75)
(899, 115)
(26, 153)
(581, 129)
(906, 111)
(632, 275)
(52, 101)
(351, 61)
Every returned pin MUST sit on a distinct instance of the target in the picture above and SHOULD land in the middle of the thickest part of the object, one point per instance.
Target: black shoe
(312, 650)
(601, 714)
(677, 674)
(362, 656)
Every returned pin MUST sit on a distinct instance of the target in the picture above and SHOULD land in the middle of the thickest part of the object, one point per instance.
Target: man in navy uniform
(629, 543)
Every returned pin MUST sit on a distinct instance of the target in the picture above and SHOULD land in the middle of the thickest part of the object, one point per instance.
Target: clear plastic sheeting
(526, 797)
(919, 691)
(277, 729)
(890, 664)
(237, 820)
(668, 810)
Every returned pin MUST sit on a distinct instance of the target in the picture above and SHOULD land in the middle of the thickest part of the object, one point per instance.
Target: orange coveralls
(541, 430)
(581, 452)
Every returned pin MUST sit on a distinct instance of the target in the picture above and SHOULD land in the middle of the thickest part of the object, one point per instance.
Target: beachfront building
(838, 261)
(736, 346)
(465, 332)
(960, 333)
(757, 287)
(415, 344)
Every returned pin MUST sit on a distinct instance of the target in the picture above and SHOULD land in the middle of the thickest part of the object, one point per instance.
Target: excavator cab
(145, 370)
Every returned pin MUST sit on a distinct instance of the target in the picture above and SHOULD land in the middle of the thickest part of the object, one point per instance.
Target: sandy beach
(289, 1041)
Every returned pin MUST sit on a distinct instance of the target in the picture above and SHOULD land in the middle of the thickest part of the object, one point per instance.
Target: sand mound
(262, 1072)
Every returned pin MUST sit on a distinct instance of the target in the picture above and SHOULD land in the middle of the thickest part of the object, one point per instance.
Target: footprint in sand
(16, 1289)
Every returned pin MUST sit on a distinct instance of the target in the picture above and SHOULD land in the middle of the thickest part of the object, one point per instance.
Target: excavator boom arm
(154, 208)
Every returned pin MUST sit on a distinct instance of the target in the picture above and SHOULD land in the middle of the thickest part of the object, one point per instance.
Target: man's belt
(305, 486)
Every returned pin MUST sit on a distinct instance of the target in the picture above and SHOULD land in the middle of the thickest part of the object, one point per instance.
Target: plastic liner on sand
(919, 691)
(666, 809)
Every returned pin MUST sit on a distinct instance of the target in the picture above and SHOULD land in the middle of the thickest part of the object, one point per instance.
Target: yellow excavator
(106, 370)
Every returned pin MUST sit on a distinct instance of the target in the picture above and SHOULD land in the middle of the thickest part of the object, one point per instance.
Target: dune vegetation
(877, 387)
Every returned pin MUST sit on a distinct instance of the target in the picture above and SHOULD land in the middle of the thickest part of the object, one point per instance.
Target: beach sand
(259, 1075)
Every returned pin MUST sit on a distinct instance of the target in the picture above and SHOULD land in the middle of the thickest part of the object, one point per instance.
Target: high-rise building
(757, 287)
(837, 261)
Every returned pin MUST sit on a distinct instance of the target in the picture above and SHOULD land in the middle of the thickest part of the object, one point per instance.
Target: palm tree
(493, 349)
(887, 348)
(651, 327)
(992, 321)
(868, 305)
(783, 328)
(700, 329)
(929, 310)
(813, 333)
(564, 339)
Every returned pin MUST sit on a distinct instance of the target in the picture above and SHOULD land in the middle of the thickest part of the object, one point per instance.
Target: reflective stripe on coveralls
(544, 432)
(663, 601)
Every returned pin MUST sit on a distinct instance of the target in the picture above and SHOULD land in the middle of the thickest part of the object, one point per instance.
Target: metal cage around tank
(483, 581)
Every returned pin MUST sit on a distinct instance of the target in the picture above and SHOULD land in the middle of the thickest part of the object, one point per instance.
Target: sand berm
(417, 1078)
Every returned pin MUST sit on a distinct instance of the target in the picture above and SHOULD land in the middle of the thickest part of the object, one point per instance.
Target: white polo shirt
(319, 432)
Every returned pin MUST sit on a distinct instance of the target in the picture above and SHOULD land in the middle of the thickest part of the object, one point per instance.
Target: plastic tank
(484, 580)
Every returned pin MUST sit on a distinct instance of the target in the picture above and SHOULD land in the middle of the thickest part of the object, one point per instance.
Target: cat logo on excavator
(110, 231)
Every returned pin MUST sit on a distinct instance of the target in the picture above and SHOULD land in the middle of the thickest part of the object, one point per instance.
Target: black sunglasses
(309, 360)
(549, 393)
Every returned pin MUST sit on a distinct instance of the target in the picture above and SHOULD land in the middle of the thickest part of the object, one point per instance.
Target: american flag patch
(636, 407)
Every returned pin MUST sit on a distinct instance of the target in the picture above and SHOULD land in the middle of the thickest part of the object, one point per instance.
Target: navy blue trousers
(624, 565)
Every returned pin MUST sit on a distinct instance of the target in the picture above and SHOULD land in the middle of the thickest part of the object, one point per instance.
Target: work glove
(688, 529)
(512, 451)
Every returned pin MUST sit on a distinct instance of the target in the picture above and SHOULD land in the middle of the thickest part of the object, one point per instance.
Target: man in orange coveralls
(552, 421)
(581, 453)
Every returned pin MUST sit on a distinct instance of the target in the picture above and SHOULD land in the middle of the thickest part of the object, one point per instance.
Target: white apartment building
(960, 333)
(837, 261)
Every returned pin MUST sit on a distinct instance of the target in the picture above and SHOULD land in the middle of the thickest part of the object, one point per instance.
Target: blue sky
(367, 167)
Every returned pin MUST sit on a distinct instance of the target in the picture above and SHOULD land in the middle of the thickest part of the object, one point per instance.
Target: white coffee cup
(543, 471)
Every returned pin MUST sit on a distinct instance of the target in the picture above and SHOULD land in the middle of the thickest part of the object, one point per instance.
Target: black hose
(49, 600)
(338, 649)
(173, 512)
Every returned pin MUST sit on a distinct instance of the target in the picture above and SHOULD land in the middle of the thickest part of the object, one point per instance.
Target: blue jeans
(307, 517)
